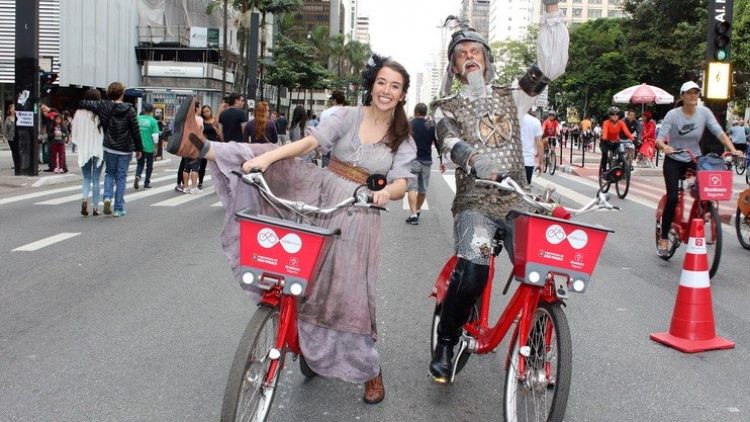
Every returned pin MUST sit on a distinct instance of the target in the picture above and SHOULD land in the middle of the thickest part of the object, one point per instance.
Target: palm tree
(357, 54)
(321, 43)
(338, 54)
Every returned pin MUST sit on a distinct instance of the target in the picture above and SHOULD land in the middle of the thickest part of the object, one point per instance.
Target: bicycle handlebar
(598, 203)
(256, 178)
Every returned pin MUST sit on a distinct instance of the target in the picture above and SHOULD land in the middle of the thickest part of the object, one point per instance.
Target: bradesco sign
(715, 185)
(277, 249)
(557, 244)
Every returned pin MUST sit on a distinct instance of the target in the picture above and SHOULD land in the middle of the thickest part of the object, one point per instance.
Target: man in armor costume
(479, 130)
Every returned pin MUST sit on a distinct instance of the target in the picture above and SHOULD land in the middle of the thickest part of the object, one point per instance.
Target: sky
(406, 30)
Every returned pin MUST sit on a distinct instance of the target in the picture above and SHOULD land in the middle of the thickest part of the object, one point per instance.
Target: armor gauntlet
(534, 81)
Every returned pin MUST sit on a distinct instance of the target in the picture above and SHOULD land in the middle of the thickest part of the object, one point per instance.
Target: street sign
(25, 118)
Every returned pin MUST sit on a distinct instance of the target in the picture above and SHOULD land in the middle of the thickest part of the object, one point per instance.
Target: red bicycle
(551, 257)
(707, 189)
(279, 258)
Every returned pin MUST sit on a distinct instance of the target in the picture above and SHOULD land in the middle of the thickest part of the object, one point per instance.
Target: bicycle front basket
(714, 185)
(282, 249)
(546, 244)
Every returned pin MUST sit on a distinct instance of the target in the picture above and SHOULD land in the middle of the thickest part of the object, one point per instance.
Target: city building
(510, 19)
(579, 11)
(477, 14)
(49, 44)
(362, 31)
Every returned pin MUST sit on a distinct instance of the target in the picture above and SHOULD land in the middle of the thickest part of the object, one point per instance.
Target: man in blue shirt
(737, 134)
(423, 132)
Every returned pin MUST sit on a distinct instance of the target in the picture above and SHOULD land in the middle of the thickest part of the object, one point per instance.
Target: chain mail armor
(489, 125)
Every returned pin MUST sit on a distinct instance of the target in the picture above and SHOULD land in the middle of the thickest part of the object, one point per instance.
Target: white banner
(25, 118)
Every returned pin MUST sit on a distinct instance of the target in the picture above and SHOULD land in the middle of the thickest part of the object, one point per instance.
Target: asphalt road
(137, 319)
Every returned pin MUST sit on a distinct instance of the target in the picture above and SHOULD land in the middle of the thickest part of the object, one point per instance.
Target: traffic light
(47, 83)
(719, 30)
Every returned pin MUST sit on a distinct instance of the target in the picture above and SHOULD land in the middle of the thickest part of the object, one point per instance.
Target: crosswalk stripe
(77, 196)
(179, 200)
(37, 194)
(39, 244)
(217, 204)
(406, 203)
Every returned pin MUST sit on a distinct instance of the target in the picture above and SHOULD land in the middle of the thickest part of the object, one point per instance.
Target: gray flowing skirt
(337, 321)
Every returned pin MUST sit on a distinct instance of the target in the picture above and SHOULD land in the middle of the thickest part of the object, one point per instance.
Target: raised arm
(552, 57)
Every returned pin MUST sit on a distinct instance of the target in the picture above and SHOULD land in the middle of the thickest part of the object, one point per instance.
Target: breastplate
(490, 126)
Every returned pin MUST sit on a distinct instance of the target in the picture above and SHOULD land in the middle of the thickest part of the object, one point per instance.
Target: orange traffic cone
(692, 329)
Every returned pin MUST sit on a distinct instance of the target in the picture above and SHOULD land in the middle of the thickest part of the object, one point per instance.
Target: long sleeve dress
(337, 321)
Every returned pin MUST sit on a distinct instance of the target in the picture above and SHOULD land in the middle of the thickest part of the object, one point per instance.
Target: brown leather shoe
(374, 390)
(187, 139)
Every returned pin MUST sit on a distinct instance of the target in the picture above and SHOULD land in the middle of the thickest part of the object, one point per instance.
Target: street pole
(252, 57)
(27, 85)
(223, 55)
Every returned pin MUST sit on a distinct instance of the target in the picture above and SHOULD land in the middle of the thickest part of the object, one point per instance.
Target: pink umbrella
(643, 94)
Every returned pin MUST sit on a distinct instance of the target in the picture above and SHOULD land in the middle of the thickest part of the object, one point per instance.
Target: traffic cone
(693, 329)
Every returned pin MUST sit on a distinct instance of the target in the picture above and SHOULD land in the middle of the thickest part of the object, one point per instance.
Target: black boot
(441, 367)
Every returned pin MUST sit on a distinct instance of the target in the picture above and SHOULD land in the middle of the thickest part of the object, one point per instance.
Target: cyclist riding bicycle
(611, 130)
(495, 148)
(551, 128)
(684, 127)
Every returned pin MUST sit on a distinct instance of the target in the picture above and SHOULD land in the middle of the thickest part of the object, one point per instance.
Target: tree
(513, 57)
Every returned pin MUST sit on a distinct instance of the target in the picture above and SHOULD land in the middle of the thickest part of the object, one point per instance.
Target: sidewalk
(9, 182)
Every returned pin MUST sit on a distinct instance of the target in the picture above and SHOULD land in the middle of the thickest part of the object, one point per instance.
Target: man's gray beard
(476, 83)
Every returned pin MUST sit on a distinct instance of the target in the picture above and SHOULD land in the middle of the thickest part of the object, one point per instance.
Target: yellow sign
(718, 80)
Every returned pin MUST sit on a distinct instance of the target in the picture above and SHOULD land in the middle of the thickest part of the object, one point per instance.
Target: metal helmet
(613, 110)
(469, 35)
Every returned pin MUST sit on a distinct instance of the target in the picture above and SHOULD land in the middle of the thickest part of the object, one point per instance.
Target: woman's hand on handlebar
(259, 162)
(381, 197)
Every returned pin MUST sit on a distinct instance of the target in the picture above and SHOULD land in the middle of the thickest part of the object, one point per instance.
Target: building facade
(579, 11)
(510, 19)
(477, 14)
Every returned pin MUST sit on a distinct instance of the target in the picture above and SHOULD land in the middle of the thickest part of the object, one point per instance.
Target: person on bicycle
(683, 127)
(336, 321)
(610, 141)
(495, 148)
(552, 130)
(586, 133)
(737, 134)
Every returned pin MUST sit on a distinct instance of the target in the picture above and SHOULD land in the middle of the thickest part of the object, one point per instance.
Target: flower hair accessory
(374, 64)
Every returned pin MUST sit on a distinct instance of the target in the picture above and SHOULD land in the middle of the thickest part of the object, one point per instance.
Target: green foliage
(513, 57)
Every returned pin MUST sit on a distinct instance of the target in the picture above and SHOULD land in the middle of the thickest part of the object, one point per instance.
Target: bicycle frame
(679, 223)
(286, 335)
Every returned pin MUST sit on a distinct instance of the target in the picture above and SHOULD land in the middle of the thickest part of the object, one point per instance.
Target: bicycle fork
(286, 337)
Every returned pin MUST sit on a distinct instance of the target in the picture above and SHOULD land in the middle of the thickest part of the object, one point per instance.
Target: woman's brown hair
(399, 130)
(261, 119)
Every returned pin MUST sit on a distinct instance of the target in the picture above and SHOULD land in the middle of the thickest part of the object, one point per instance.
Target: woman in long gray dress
(337, 321)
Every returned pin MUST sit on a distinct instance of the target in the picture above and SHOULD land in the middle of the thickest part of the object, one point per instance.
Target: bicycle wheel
(246, 398)
(433, 336)
(739, 165)
(603, 182)
(672, 236)
(712, 231)
(553, 162)
(742, 225)
(623, 185)
(546, 162)
(541, 392)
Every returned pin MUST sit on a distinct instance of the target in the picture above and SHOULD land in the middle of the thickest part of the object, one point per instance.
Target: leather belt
(348, 171)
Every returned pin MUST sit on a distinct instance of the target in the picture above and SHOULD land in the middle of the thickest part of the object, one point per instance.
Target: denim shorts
(422, 170)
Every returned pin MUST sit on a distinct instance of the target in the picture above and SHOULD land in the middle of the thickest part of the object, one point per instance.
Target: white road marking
(39, 244)
(179, 200)
(450, 179)
(78, 197)
(38, 194)
(406, 203)
(217, 204)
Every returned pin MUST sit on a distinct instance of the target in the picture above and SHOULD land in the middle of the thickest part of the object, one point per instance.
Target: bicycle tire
(742, 226)
(672, 236)
(739, 166)
(546, 162)
(538, 387)
(622, 192)
(747, 177)
(553, 163)
(433, 337)
(603, 183)
(250, 367)
(713, 236)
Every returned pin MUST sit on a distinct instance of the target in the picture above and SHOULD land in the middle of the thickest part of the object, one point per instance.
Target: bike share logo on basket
(291, 242)
(578, 239)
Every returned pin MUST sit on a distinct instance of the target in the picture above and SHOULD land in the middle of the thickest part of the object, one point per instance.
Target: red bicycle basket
(547, 244)
(282, 248)
(714, 185)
